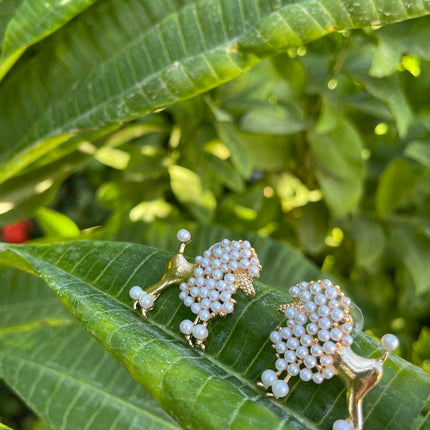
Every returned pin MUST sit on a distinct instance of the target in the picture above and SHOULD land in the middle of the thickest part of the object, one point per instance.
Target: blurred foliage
(325, 146)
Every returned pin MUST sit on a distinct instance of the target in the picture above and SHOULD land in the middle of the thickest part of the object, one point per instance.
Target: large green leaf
(121, 59)
(21, 31)
(92, 279)
(44, 352)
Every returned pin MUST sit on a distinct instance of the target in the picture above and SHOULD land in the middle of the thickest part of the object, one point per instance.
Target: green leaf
(132, 57)
(421, 353)
(419, 150)
(394, 185)
(4, 427)
(45, 353)
(92, 279)
(339, 166)
(189, 190)
(398, 39)
(21, 31)
(56, 224)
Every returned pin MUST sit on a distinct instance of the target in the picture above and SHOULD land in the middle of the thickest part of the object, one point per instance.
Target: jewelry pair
(315, 342)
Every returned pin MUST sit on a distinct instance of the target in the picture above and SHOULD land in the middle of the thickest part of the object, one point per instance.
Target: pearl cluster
(318, 323)
(145, 300)
(225, 267)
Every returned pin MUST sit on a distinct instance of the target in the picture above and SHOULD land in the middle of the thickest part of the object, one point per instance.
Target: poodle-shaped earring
(207, 286)
(315, 344)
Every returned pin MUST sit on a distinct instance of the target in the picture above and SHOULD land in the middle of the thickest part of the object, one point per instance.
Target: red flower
(18, 232)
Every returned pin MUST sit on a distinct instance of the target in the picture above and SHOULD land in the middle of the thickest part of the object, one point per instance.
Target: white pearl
(389, 342)
(281, 364)
(203, 292)
(200, 332)
(326, 360)
(286, 332)
(316, 350)
(205, 303)
(192, 281)
(336, 334)
(246, 244)
(333, 304)
(314, 317)
(312, 328)
(323, 311)
(290, 356)
(218, 251)
(210, 284)
(221, 285)
(254, 271)
(290, 312)
(233, 265)
(315, 288)
(225, 296)
(306, 340)
(293, 370)
(182, 295)
(204, 315)
(324, 335)
(213, 295)
(194, 292)
(305, 296)
(225, 258)
(291, 323)
(341, 425)
(294, 292)
(347, 328)
(310, 361)
(235, 255)
(337, 315)
(329, 347)
(231, 289)
(245, 253)
(216, 307)
(183, 286)
(235, 245)
(207, 254)
(206, 262)
(188, 301)
(198, 259)
(293, 343)
(303, 285)
(327, 283)
(268, 377)
(281, 347)
(298, 330)
(244, 263)
(280, 389)
(216, 274)
(228, 307)
(306, 375)
(198, 272)
(255, 261)
(302, 352)
(301, 318)
(195, 308)
(186, 327)
(216, 263)
(225, 242)
(317, 378)
(347, 340)
(345, 302)
(136, 292)
(310, 307)
(146, 301)
(328, 373)
(324, 323)
(229, 278)
(275, 337)
(320, 299)
(331, 293)
(183, 235)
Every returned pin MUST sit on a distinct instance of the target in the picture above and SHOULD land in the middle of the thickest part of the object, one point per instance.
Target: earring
(206, 286)
(315, 344)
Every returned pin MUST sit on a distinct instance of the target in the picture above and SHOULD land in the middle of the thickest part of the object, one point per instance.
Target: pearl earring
(315, 345)
(207, 286)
